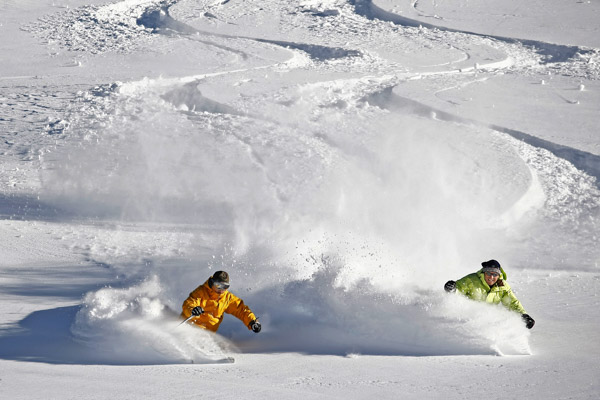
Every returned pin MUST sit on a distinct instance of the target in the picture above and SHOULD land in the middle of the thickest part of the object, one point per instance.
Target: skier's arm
(512, 303)
(465, 286)
(238, 309)
(190, 303)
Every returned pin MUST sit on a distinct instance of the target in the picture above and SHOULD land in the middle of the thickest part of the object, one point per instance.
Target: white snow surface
(340, 159)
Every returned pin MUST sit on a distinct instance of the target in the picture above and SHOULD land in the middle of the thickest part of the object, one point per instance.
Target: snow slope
(339, 160)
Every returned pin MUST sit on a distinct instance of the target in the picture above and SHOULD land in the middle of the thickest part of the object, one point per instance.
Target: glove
(197, 311)
(450, 287)
(529, 322)
(255, 326)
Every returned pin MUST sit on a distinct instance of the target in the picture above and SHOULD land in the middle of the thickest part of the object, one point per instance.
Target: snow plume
(342, 220)
(142, 162)
(330, 306)
(319, 160)
(326, 313)
(133, 326)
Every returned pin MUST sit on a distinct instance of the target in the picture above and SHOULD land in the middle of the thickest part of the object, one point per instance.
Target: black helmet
(219, 277)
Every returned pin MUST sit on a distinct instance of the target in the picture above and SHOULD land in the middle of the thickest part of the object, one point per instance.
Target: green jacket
(475, 287)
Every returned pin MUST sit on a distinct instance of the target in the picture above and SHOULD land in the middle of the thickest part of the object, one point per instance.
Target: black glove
(197, 311)
(529, 322)
(450, 287)
(255, 326)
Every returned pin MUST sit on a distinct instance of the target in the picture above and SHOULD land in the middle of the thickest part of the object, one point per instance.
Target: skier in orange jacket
(209, 301)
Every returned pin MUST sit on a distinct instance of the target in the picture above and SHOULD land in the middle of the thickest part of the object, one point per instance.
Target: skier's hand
(529, 322)
(196, 311)
(450, 287)
(255, 326)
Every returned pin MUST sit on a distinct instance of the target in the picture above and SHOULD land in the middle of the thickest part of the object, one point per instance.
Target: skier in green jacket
(489, 285)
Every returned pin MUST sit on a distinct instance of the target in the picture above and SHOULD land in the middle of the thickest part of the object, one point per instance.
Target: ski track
(554, 53)
(154, 16)
(148, 13)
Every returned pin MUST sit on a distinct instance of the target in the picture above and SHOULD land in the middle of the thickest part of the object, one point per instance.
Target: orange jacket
(215, 305)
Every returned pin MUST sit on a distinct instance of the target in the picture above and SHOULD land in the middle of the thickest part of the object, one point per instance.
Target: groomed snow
(341, 159)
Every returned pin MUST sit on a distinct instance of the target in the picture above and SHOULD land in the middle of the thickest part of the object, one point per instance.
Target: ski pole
(183, 322)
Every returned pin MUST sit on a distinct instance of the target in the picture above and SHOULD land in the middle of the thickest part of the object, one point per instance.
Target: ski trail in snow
(555, 53)
(533, 199)
(415, 5)
(158, 19)
(458, 86)
(587, 162)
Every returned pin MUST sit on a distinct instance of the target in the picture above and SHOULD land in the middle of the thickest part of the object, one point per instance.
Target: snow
(340, 159)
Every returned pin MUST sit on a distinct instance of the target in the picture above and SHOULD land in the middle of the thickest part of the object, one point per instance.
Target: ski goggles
(220, 285)
(493, 274)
